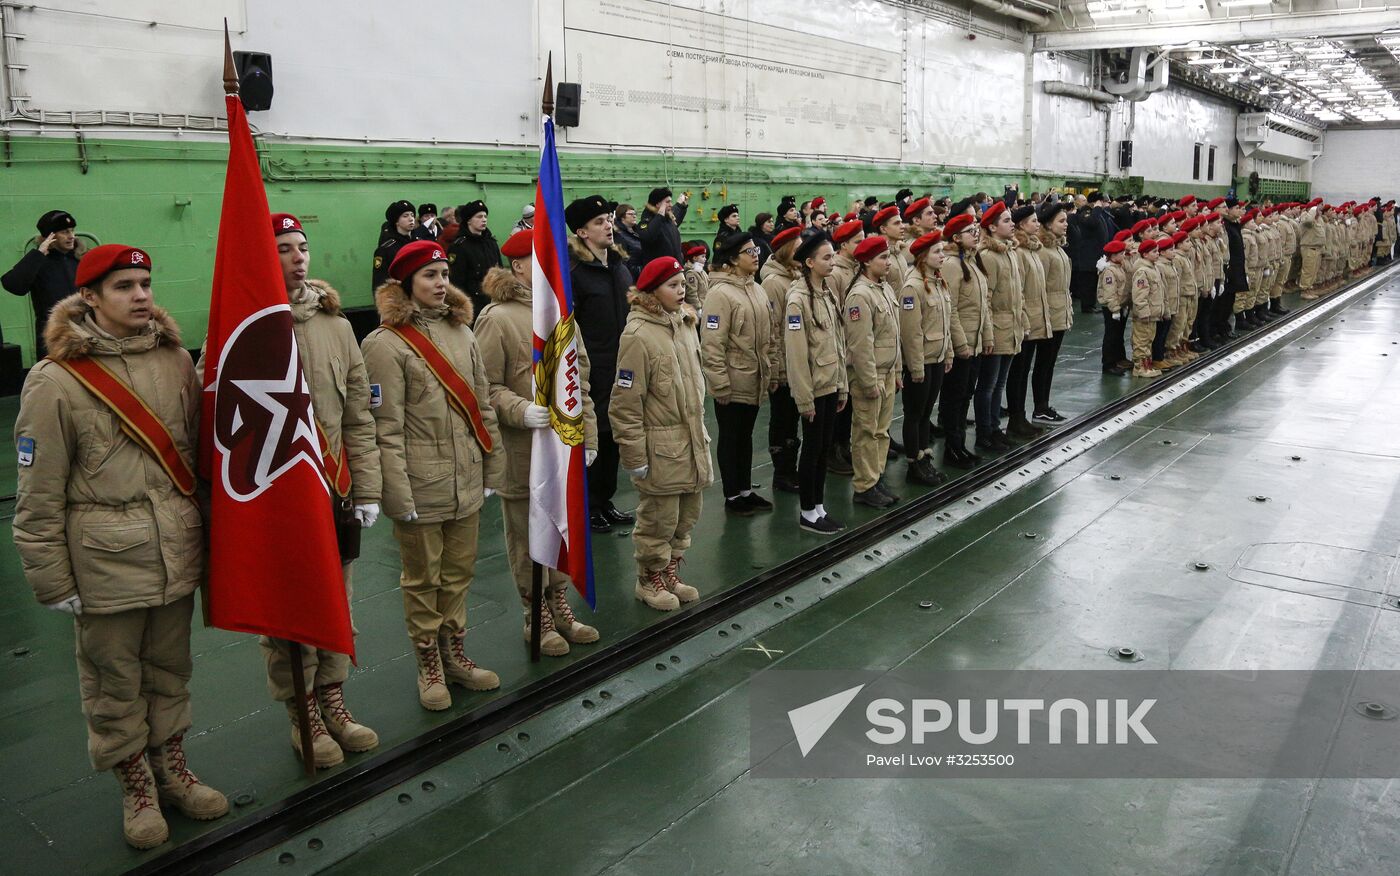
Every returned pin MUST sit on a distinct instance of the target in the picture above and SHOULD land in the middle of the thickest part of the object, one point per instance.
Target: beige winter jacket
(925, 322)
(1149, 293)
(697, 287)
(1171, 283)
(775, 280)
(736, 340)
(999, 262)
(1037, 306)
(872, 334)
(505, 334)
(433, 464)
(96, 516)
(972, 323)
(816, 345)
(1055, 261)
(1113, 287)
(658, 402)
(843, 274)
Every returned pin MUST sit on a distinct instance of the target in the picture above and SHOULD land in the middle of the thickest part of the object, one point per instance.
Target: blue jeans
(992, 372)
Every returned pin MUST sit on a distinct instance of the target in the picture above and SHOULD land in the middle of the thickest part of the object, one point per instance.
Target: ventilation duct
(1082, 92)
(1143, 77)
(1004, 8)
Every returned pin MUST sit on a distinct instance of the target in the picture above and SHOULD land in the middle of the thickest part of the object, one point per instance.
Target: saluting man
(46, 272)
(108, 529)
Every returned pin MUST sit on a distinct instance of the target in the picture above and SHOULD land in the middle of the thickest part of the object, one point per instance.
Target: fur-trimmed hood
(316, 296)
(501, 286)
(396, 308)
(1025, 241)
(70, 335)
(1048, 239)
(996, 244)
(580, 252)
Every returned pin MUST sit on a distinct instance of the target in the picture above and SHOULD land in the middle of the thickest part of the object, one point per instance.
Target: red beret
(1114, 246)
(414, 256)
(923, 243)
(1359, 209)
(1192, 224)
(1248, 216)
(286, 223)
(656, 272)
(1147, 246)
(957, 224)
(883, 216)
(103, 260)
(784, 237)
(1142, 225)
(1314, 202)
(871, 247)
(851, 215)
(1123, 235)
(1161, 220)
(1178, 238)
(1214, 202)
(818, 203)
(846, 230)
(1188, 200)
(1212, 217)
(1165, 243)
(694, 250)
(992, 212)
(1177, 215)
(519, 244)
(915, 208)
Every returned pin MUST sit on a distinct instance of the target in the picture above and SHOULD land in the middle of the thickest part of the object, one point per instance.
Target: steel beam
(1339, 23)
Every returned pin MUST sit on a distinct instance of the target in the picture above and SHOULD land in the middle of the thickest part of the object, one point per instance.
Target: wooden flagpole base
(308, 756)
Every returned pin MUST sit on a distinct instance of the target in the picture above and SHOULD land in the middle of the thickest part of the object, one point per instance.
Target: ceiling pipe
(1082, 92)
(1004, 8)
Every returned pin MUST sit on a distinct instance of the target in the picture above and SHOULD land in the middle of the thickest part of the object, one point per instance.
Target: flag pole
(537, 571)
(293, 648)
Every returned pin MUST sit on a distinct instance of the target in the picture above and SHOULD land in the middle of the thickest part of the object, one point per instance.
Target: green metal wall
(164, 195)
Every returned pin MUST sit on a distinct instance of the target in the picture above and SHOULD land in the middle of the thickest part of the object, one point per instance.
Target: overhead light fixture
(1232, 4)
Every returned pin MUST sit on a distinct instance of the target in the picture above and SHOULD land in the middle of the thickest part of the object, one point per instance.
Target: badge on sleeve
(794, 322)
(1108, 280)
(712, 321)
(624, 378)
(854, 314)
(26, 450)
(908, 302)
(376, 396)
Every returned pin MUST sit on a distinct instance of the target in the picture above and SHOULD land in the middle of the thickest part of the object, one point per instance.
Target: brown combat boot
(551, 643)
(350, 734)
(651, 589)
(461, 669)
(324, 749)
(1144, 368)
(180, 786)
(570, 627)
(142, 824)
(432, 686)
(671, 576)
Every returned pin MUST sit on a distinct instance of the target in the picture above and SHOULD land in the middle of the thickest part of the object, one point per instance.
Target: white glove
(536, 416)
(588, 457)
(488, 492)
(1101, 264)
(409, 517)
(366, 514)
(72, 605)
(1117, 315)
(639, 473)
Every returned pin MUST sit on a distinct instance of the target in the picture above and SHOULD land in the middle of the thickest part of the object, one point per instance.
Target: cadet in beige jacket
(776, 275)
(871, 320)
(845, 238)
(997, 258)
(1037, 311)
(926, 345)
(737, 351)
(1149, 304)
(505, 332)
(105, 533)
(441, 457)
(816, 365)
(1054, 258)
(658, 418)
(341, 397)
(972, 335)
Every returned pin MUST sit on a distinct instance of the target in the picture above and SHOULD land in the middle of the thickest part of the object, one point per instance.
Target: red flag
(274, 567)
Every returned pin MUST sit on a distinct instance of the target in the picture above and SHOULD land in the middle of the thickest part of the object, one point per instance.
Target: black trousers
(1047, 353)
(1223, 310)
(602, 474)
(1084, 286)
(782, 423)
(1018, 380)
(953, 402)
(1204, 327)
(919, 399)
(1159, 341)
(817, 436)
(734, 446)
(1114, 350)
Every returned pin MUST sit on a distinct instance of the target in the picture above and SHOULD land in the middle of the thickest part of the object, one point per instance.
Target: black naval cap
(467, 211)
(810, 241)
(55, 220)
(657, 195)
(425, 209)
(585, 210)
(1094, 197)
(1020, 214)
(397, 209)
(727, 210)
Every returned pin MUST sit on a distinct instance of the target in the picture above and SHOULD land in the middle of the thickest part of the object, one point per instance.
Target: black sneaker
(821, 526)
(1000, 441)
(884, 488)
(922, 473)
(757, 502)
(785, 483)
(872, 498)
(616, 516)
(599, 522)
(739, 507)
(1049, 415)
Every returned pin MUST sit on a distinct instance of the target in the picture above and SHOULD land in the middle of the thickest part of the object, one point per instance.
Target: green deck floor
(661, 786)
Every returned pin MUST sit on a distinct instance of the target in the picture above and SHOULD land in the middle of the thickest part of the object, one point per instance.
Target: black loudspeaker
(254, 80)
(1125, 154)
(566, 104)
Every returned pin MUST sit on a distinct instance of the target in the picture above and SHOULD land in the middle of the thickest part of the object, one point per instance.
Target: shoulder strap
(459, 393)
(336, 466)
(138, 421)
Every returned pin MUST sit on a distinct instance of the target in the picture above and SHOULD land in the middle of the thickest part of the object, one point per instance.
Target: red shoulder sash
(459, 393)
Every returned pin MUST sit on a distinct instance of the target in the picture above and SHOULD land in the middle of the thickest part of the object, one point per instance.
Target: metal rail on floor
(278, 822)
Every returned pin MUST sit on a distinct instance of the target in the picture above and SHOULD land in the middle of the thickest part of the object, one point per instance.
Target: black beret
(425, 209)
(1232, 202)
(871, 201)
(808, 243)
(1020, 214)
(727, 245)
(585, 210)
(55, 220)
(657, 195)
(902, 194)
(467, 211)
(397, 209)
(727, 210)
(1049, 210)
